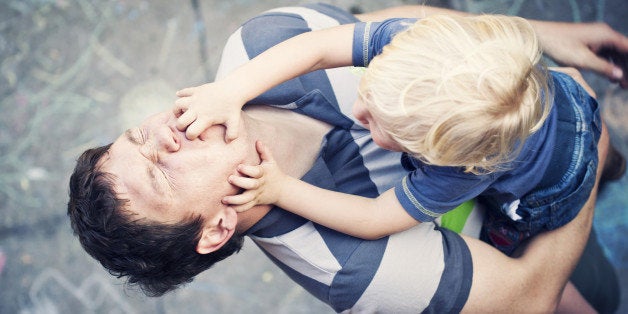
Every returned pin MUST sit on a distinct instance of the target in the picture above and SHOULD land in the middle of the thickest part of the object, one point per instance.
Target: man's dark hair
(154, 256)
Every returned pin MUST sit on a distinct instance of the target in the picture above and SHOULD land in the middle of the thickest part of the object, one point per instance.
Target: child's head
(459, 91)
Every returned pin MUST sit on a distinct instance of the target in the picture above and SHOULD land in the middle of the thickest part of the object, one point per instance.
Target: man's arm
(534, 281)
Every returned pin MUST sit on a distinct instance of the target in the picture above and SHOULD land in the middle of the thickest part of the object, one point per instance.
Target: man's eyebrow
(131, 137)
(150, 169)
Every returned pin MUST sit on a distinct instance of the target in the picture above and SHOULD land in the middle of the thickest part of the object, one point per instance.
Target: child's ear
(215, 235)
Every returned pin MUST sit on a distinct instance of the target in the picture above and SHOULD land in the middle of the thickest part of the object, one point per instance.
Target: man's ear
(216, 234)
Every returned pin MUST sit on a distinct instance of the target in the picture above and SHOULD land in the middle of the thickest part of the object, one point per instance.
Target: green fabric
(455, 219)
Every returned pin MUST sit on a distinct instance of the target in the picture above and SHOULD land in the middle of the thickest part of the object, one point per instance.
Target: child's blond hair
(460, 91)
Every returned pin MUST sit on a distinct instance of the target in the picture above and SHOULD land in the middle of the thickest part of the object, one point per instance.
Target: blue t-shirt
(425, 268)
(429, 191)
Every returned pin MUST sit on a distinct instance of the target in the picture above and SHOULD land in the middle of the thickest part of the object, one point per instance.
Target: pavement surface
(74, 73)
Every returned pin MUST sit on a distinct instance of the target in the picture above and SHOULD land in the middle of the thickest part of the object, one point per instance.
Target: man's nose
(167, 139)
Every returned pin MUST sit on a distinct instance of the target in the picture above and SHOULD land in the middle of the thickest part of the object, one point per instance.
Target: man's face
(166, 177)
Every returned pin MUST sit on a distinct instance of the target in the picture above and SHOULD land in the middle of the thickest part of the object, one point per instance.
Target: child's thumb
(231, 132)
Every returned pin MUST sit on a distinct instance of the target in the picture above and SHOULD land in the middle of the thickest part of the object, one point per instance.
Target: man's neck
(293, 139)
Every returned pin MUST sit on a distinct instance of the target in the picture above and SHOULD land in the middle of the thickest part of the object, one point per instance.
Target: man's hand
(198, 108)
(263, 183)
(579, 44)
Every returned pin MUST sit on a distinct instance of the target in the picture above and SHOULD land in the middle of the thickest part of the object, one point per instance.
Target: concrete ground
(74, 73)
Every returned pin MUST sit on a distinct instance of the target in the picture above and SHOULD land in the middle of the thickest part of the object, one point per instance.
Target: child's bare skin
(200, 107)
(263, 183)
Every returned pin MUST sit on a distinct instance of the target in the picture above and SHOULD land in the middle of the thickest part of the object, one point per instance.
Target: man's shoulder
(276, 25)
(315, 16)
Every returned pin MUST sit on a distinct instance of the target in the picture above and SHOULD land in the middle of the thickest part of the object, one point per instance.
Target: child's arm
(358, 216)
(220, 102)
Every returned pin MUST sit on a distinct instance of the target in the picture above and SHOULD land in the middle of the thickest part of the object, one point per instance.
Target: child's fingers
(185, 92)
(235, 203)
(185, 119)
(181, 105)
(239, 199)
(197, 127)
(255, 172)
(232, 126)
(183, 102)
(264, 152)
(244, 182)
(243, 208)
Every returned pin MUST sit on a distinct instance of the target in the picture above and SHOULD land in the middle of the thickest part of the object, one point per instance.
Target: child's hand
(263, 183)
(198, 108)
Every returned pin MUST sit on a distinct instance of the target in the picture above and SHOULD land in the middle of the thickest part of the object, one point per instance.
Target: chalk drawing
(93, 294)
